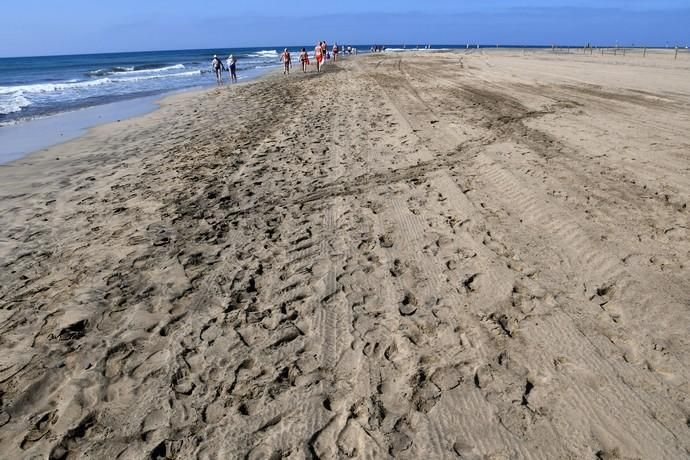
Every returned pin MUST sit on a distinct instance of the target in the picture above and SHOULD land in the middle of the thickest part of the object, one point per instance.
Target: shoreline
(26, 138)
(29, 137)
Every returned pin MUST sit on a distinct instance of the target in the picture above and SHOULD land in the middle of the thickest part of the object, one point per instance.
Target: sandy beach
(478, 255)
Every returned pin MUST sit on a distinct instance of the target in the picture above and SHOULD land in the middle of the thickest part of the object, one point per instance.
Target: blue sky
(42, 27)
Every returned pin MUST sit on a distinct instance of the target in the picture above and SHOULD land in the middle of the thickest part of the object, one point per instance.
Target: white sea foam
(155, 77)
(110, 71)
(119, 70)
(12, 103)
(74, 84)
(158, 70)
(51, 87)
(265, 54)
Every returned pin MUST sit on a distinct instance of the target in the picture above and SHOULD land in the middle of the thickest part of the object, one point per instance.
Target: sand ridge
(448, 255)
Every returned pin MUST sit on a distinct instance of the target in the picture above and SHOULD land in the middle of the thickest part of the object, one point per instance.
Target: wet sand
(22, 139)
(447, 255)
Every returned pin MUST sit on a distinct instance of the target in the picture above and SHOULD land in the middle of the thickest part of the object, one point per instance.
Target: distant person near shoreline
(335, 52)
(232, 68)
(318, 56)
(218, 68)
(287, 61)
(304, 59)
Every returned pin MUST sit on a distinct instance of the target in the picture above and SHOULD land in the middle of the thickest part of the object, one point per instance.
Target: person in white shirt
(232, 68)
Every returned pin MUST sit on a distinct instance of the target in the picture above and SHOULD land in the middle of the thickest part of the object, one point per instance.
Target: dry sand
(447, 255)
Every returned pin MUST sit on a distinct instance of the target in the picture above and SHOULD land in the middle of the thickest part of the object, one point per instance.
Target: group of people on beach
(321, 55)
(218, 68)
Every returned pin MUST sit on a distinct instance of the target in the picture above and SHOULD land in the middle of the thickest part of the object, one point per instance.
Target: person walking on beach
(218, 68)
(304, 59)
(232, 68)
(287, 61)
(318, 56)
(335, 52)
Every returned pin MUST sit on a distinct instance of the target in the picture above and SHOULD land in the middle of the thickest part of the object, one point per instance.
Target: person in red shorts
(318, 55)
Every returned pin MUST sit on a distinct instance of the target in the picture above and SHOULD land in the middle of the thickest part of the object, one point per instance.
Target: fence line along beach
(469, 253)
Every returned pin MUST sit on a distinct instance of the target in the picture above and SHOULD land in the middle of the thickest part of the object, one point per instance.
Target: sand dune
(446, 255)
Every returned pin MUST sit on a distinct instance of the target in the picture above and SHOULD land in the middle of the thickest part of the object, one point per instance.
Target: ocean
(34, 87)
